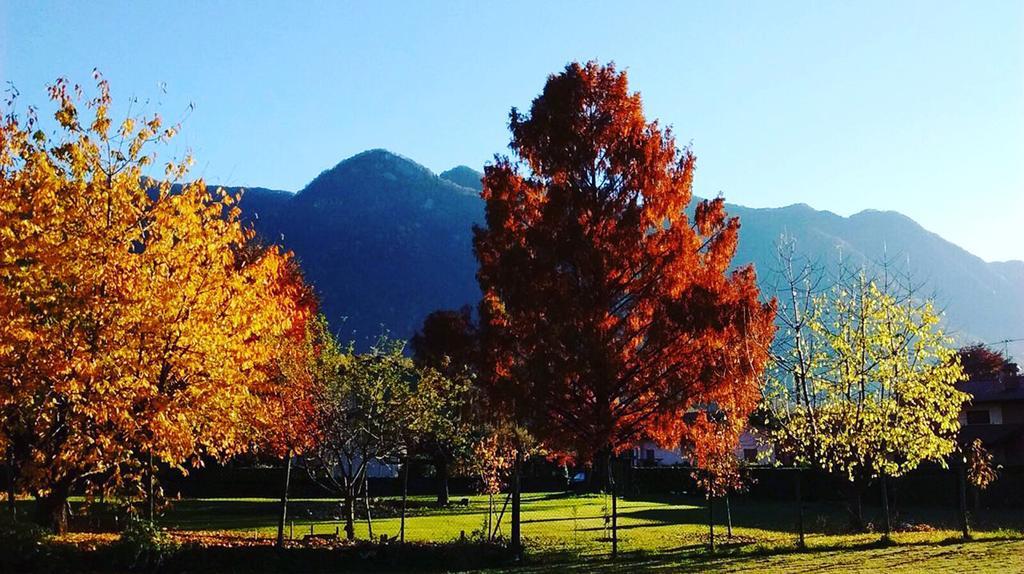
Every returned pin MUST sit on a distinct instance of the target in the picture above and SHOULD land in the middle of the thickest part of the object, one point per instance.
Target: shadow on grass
(697, 558)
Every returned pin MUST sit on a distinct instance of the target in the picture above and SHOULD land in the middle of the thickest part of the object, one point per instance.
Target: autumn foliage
(137, 321)
(608, 310)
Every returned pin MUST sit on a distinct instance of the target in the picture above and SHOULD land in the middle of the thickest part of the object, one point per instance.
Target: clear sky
(911, 106)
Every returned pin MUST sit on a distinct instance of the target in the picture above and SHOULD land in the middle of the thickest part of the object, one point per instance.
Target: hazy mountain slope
(385, 241)
(464, 176)
(982, 300)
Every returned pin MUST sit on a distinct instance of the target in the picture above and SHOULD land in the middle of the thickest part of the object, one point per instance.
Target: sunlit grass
(673, 530)
(565, 532)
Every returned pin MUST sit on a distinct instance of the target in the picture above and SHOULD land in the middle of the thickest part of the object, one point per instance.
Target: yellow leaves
(127, 127)
(873, 383)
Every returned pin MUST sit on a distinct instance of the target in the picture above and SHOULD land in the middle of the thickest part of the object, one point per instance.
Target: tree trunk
(405, 495)
(800, 507)
(599, 479)
(961, 487)
(150, 493)
(615, 510)
(350, 511)
(497, 521)
(854, 508)
(441, 466)
(886, 521)
(284, 500)
(366, 502)
(490, 514)
(516, 542)
(53, 508)
(711, 523)
(12, 508)
(728, 517)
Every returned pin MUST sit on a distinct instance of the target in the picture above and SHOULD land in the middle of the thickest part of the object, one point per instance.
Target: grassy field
(568, 532)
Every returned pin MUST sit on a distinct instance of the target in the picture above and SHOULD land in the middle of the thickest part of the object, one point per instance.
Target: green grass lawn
(567, 532)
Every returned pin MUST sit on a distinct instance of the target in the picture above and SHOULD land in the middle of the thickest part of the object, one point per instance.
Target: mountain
(464, 176)
(385, 241)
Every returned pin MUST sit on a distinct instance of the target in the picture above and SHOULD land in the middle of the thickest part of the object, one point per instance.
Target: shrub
(143, 546)
(21, 544)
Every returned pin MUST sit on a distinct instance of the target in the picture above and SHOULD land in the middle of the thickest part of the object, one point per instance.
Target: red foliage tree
(447, 341)
(981, 362)
(608, 312)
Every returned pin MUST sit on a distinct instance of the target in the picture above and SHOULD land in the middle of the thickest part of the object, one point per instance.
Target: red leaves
(606, 316)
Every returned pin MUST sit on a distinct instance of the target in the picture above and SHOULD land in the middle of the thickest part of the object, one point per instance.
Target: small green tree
(364, 405)
(449, 419)
(862, 383)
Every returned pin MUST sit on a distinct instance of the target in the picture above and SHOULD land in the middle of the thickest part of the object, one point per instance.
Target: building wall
(669, 457)
(995, 413)
(1013, 413)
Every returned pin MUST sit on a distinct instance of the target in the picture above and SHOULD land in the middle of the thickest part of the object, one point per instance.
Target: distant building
(995, 414)
(751, 449)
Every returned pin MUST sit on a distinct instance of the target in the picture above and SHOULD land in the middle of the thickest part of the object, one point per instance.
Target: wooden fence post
(516, 535)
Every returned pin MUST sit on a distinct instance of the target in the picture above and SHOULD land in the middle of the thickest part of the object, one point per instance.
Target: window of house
(750, 454)
(978, 417)
(650, 455)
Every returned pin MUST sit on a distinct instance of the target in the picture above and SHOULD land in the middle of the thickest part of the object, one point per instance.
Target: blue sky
(911, 106)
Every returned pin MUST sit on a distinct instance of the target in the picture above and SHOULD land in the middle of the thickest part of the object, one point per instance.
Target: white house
(751, 449)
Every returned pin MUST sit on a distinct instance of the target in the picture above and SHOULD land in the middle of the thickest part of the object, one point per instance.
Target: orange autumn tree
(135, 328)
(609, 312)
(285, 428)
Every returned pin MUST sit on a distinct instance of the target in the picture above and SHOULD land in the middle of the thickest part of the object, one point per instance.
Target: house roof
(992, 391)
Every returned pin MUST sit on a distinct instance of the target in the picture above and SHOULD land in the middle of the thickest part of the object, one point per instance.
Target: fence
(659, 509)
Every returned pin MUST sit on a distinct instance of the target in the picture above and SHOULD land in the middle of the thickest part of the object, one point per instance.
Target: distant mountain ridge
(385, 241)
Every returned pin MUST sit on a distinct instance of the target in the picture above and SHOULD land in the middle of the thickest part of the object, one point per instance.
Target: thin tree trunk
(886, 522)
(12, 508)
(516, 542)
(150, 493)
(441, 466)
(284, 500)
(854, 507)
(961, 487)
(800, 507)
(728, 517)
(711, 522)
(490, 514)
(615, 512)
(366, 502)
(53, 508)
(497, 523)
(405, 495)
(350, 510)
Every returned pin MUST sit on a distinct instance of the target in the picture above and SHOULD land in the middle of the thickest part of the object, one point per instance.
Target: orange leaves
(129, 323)
(607, 315)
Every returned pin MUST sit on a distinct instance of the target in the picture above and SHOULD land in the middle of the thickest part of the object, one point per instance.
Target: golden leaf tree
(862, 383)
(136, 322)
